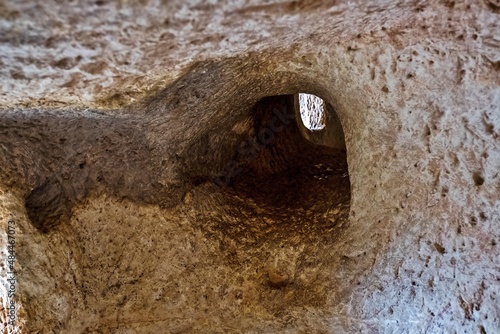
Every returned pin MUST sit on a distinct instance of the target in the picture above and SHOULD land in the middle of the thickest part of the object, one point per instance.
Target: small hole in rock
(473, 220)
(439, 248)
(478, 179)
(312, 111)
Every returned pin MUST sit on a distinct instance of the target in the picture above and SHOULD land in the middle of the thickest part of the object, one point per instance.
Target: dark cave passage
(278, 182)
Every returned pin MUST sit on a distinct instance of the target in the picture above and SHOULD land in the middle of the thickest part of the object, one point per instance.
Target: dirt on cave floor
(307, 200)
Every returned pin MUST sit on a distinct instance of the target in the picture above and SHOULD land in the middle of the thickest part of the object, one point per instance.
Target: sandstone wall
(118, 121)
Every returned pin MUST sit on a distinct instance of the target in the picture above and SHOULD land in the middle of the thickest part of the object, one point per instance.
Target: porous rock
(159, 182)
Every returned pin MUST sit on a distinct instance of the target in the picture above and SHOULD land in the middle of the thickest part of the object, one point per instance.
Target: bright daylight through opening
(312, 111)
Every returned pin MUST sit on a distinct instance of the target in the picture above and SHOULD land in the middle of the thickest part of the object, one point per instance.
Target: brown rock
(152, 159)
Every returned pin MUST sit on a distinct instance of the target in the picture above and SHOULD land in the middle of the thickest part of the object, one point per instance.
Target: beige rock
(158, 181)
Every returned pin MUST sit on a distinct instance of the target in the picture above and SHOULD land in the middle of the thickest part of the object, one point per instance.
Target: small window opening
(320, 123)
(312, 111)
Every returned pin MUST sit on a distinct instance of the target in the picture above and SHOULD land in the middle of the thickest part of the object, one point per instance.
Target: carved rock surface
(158, 181)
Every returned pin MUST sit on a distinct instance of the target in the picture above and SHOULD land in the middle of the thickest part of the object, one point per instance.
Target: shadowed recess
(278, 183)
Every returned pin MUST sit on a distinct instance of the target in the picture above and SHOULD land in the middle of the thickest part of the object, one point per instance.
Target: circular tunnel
(282, 179)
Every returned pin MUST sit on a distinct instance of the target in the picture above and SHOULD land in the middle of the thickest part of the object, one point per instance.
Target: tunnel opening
(320, 123)
(281, 202)
(283, 180)
(293, 169)
(312, 111)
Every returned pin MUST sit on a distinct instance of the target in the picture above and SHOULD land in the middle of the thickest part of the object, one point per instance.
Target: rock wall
(154, 177)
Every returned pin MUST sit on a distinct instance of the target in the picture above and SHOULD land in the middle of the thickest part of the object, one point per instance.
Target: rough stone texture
(143, 204)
